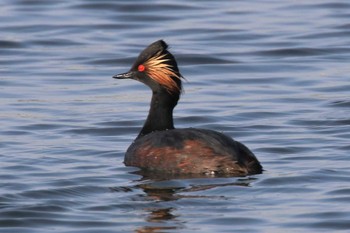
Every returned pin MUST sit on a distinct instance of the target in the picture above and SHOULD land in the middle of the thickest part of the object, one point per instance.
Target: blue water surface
(271, 74)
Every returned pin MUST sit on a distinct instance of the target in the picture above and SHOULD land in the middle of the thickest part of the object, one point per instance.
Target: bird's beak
(126, 75)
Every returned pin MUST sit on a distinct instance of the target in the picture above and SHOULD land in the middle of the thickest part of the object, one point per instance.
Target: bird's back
(192, 151)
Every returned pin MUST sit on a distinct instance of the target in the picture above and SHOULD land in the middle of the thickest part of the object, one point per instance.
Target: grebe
(160, 147)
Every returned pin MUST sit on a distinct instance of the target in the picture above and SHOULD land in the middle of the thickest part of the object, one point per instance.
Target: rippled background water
(272, 74)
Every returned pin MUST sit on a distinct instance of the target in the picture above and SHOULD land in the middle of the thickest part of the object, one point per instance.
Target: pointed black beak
(129, 74)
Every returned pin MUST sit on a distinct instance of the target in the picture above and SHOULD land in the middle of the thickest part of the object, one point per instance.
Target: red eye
(141, 68)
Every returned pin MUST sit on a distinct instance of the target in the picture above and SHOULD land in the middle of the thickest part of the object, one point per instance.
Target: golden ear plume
(161, 72)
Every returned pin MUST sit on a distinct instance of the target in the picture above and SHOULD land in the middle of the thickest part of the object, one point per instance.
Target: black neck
(160, 116)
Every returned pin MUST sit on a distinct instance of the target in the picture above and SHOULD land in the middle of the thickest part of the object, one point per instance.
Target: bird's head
(157, 68)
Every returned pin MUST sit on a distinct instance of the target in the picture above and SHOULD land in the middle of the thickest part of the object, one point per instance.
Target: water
(271, 74)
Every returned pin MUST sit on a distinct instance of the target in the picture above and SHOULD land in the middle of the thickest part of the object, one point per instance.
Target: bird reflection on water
(162, 195)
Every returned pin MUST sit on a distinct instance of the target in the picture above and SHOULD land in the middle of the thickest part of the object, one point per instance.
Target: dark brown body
(191, 151)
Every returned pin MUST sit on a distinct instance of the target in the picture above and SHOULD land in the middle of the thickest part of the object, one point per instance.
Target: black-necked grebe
(160, 147)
